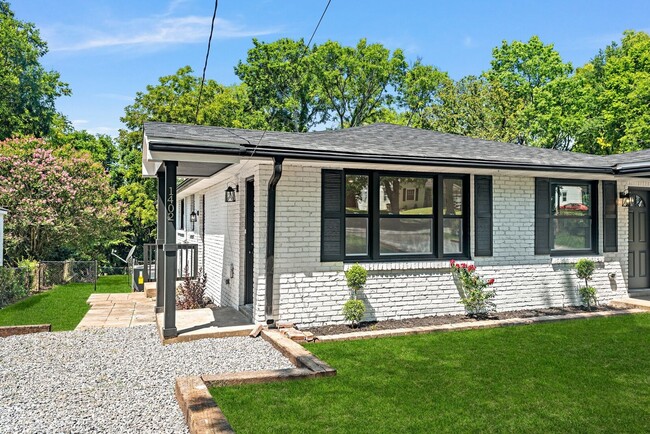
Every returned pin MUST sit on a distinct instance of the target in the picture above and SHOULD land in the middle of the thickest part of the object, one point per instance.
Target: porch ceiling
(196, 159)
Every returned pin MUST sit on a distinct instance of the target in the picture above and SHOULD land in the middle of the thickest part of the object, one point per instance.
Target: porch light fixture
(194, 216)
(230, 193)
(626, 198)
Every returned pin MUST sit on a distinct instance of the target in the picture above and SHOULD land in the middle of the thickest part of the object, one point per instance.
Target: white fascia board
(150, 169)
(192, 157)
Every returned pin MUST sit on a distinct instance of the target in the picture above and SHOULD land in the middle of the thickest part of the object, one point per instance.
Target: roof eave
(366, 158)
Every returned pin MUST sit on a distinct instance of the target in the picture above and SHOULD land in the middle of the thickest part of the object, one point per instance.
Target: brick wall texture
(310, 292)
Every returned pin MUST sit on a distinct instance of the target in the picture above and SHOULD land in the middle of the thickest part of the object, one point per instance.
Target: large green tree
(280, 79)
(420, 94)
(27, 91)
(101, 147)
(616, 98)
(474, 107)
(518, 70)
(355, 82)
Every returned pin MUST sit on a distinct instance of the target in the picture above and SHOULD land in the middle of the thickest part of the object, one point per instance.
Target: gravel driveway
(110, 380)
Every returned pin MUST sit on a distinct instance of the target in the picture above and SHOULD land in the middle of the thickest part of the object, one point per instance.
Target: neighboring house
(402, 202)
(3, 213)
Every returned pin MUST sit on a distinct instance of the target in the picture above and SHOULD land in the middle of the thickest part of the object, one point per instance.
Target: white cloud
(111, 131)
(78, 122)
(159, 31)
(468, 42)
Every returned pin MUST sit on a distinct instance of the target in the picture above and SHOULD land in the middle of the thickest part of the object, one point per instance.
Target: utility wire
(205, 65)
(207, 56)
(319, 21)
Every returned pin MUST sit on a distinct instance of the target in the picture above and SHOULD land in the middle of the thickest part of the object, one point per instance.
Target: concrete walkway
(631, 303)
(118, 310)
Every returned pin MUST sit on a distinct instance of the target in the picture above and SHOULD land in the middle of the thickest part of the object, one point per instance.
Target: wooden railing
(187, 260)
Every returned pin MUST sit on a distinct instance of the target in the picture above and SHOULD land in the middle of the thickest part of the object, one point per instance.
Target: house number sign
(171, 205)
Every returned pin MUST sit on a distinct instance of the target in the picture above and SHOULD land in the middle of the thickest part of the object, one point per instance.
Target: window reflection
(356, 194)
(405, 196)
(571, 200)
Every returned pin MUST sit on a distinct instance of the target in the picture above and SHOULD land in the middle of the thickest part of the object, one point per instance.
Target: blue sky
(107, 50)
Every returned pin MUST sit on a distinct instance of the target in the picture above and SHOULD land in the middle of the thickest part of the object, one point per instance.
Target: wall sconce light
(194, 216)
(230, 193)
(626, 198)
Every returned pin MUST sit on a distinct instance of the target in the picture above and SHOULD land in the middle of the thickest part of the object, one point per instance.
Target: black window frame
(593, 216)
(374, 216)
(367, 215)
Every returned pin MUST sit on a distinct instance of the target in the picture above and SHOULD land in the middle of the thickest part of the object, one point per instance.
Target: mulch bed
(448, 319)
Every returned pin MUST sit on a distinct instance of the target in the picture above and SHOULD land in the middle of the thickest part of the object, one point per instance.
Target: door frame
(249, 241)
(633, 190)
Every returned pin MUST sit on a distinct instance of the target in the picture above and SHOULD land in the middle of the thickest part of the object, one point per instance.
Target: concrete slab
(628, 302)
(118, 310)
(207, 323)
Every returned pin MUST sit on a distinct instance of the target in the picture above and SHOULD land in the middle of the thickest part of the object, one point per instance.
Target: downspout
(270, 239)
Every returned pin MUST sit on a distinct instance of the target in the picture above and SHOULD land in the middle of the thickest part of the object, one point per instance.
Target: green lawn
(575, 376)
(63, 306)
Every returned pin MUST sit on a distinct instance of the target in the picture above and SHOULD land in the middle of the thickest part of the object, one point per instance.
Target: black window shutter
(332, 215)
(483, 215)
(542, 216)
(610, 216)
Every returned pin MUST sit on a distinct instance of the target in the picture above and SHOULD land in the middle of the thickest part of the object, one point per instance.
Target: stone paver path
(118, 310)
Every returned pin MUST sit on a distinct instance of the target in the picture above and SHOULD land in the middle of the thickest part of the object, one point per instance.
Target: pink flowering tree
(60, 202)
(475, 292)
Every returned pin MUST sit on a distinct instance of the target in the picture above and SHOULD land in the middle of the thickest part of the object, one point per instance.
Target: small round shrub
(353, 311)
(585, 268)
(356, 277)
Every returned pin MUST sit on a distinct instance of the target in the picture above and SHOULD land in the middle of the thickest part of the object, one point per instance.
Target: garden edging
(201, 412)
(468, 325)
(6, 331)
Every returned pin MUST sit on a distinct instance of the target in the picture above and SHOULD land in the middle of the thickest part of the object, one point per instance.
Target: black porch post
(170, 248)
(160, 239)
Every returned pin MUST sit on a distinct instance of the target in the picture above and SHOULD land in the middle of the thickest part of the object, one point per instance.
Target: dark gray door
(638, 239)
(249, 241)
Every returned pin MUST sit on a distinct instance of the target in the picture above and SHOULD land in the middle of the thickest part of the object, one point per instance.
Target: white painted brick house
(522, 215)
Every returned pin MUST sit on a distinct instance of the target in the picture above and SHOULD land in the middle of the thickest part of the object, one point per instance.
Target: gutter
(641, 168)
(386, 159)
(270, 239)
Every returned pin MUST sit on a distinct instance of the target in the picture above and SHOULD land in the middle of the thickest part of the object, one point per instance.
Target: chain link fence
(52, 273)
(15, 284)
(19, 282)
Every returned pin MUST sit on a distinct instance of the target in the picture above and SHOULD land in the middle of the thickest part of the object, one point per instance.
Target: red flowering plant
(475, 295)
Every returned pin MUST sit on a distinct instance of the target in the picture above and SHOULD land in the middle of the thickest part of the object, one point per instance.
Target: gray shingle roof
(387, 140)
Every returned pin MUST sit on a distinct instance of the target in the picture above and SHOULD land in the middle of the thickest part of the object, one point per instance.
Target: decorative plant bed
(451, 319)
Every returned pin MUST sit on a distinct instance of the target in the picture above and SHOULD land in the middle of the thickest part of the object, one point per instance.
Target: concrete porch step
(642, 293)
(247, 311)
(630, 303)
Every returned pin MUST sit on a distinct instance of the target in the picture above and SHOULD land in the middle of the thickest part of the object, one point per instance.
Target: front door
(639, 278)
(249, 241)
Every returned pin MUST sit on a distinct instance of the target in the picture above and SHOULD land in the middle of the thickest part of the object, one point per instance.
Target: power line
(205, 65)
(207, 56)
(319, 21)
(298, 60)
